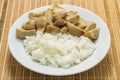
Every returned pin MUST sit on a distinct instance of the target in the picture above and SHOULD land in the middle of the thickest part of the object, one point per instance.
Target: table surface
(107, 69)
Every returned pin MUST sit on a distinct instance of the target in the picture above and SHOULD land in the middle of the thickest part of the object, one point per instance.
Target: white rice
(58, 50)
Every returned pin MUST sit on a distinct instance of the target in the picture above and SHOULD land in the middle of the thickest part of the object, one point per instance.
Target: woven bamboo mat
(108, 69)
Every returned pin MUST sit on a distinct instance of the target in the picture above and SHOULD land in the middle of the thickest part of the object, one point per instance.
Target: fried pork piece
(86, 25)
(54, 18)
(21, 33)
(90, 26)
(64, 30)
(92, 34)
(82, 23)
(58, 11)
(34, 15)
(52, 29)
(48, 14)
(72, 17)
(60, 22)
(30, 25)
(74, 30)
(41, 22)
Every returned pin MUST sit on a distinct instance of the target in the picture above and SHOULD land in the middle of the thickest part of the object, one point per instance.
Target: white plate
(17, 49)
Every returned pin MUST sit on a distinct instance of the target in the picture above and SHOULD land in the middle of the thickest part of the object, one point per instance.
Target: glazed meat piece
(48, 14)
(41, 22)
(52, 29)
(90, 26)
(21, 33)
(60, 22)
(92, 34)
(64, 30)
(58, 16)
(58, 11)
(86, 25)
(72, 17)
(81, 27)
(74, 30)
(82, 23)
(54, 18)
(34, 15)
(30, 25)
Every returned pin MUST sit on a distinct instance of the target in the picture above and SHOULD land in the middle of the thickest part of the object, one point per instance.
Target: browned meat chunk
(29, 25)
(86, 25)
(92, 34)
(21, 33)
(90, 26)
(52, 29)
(54, 17)
(72, 17)
(64, 30)
(41, 22)
(60, 22)
(34, 15)
(82, 27)
(58, 11)
(48, 14)
(74, 30)
(82, 23)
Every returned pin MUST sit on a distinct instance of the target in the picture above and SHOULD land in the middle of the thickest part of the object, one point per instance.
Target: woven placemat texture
(107, 69)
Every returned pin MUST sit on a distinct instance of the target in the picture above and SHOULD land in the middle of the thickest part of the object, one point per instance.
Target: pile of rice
(58, 50)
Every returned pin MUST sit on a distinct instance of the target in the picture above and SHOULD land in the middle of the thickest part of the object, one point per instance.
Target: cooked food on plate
(58, 38)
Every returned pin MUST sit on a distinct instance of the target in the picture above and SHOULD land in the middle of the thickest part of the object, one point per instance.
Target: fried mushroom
(52, 29)
(48, 14)
(60, 22)
(86, 25)
(74, 30)
(92, 34)
(72, 17)
(30, 25)
(64, 30)
(41, 22)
